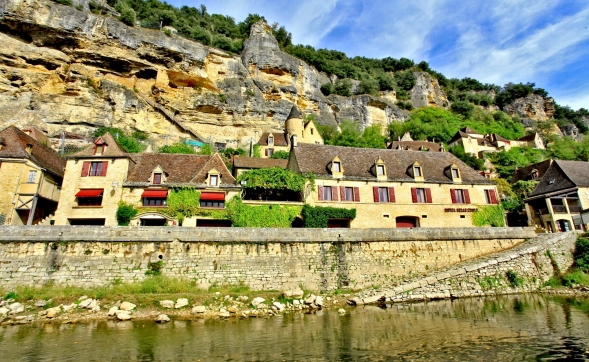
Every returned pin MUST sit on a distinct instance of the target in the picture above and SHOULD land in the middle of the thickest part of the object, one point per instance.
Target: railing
(559, 209)
(575, 209)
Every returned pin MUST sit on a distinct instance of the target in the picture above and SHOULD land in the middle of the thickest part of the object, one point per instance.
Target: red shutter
(493, 197)
(428, 196)
(453, 195)
(334, 193)
(356, 194)
(466, 196)
(375, 193)
(414, 194)
(266, 152)
(85, 168)
(392, 194)
(103, 168)
(342, 193)
(320, 192)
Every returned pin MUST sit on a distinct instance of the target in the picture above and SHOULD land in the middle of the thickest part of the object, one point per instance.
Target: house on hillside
(560, 201)
(478, 144)
(101, 175)
(392, 188)
(408, 144)
(31, 176)
(293, 126)
(532, 172)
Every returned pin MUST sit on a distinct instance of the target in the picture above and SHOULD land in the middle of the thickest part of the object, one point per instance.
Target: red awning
(212, 196)
(155, 194)
(90, 193)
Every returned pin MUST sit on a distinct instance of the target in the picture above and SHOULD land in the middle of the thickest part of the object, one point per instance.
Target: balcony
(575, 209)
(559, 209)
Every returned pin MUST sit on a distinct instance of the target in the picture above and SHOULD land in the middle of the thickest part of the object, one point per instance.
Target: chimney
(29, 148)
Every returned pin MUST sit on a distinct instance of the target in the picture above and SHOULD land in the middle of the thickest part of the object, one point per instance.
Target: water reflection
(513, 328)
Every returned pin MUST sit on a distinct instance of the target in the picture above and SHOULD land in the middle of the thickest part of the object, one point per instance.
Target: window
(455, 173)
(90, 201)
(336, 167)
(421, 195)
(157, 178)
(490, 197)
(379, 170)
(383, 194)
(327, 193)
(269, 152)
(271, 140)
(212, 199)
(417, 171)
(156, 202)
(534, 175)
(551, 181)
(99, 149)
(95, 168)
(212, 204)
(348, 194)
(311, 130)
(460, 196)
(214, 181)
(32, 177)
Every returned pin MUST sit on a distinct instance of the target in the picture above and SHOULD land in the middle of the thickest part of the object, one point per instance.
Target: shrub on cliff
(128, 16)
(582, 254)
(180, 148)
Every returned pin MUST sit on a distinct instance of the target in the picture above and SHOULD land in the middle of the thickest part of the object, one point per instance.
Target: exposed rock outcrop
(531, 107)
(427, 91)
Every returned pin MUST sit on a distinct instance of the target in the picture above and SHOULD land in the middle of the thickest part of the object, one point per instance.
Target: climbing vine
(274, 178)
(261, 216)
(489, 216)
(125, 212)
(317, 217)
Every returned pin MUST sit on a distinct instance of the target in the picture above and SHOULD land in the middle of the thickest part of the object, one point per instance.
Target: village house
(392, 188)
(100, 176)
(30, 179)
(294, 126)
(407, 143)
(478, 144)
(532, 172)
(560, 201)
(243, 164)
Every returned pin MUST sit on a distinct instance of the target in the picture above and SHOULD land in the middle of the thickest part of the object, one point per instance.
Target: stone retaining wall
(317, 259)
(532, 264)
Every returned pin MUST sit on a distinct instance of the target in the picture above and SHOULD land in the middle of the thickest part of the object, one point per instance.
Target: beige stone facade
(478, 144)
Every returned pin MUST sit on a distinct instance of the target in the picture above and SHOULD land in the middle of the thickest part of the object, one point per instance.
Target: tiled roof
(458, 136)
(189, 170)
(112, 149)
(279, 139)
(566, 175)
(15, 142)
(294, 113)
(499, 138)
(37, 135)
(528, 138)
(357, 162)
(523, 174)
(251, 162)
(416, 145)
(469, 130)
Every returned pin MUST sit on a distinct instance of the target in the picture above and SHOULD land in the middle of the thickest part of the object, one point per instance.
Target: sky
(543, 41)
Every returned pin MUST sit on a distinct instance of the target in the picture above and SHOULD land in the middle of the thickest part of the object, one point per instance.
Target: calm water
(522, 328)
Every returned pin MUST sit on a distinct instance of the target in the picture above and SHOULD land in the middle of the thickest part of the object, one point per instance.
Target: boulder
(4, 310)
(84, 297)
(16, 308)
(162, 318)
(310, 299)
(127, 306)
(53, 312)
(279, 306)
(123, 315)
(40, 303)
(68, 307)
(257, 301)
(85, 303)
(319, 301)
(295, 293)
(181, 302)
(113, 311)
(233, 310)
(199, 309)
(168, 304)
(93, 304)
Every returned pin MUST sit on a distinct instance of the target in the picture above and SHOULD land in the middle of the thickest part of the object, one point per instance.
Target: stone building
(294, 126)
(560, 201)
(532, 172)
(408, 143)
(392, 188)
(242, 164)
(30, 179)
(478, 144)
(100, 176)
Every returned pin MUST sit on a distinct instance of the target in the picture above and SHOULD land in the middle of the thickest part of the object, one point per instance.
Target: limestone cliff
(427, 91)
(64, 69)
(531, 107)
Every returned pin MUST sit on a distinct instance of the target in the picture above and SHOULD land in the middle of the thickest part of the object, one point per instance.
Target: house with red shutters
(391, 188)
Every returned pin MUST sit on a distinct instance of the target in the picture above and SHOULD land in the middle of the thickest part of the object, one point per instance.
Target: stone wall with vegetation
(263, 259)
(525, 268)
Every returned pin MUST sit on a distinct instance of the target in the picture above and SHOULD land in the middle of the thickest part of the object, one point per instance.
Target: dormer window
(551, 182)
(416, 171)
(99, 147)
(214, 178)
(157, 178)
(534, 174)
(270, 140)
(379, 169)
(336, 168)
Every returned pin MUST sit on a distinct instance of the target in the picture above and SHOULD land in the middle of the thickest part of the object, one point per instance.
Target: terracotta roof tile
(357, 163)
(527, 138)
(112, 149)
(566, 175)
(279, 139)
(189, 170)
(416, 145)
(523, 174)
(15, 142)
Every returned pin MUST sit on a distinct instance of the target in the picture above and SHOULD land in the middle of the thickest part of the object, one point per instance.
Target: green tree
(280, 155)
(181, 148)
(128, 16)
(463, 108)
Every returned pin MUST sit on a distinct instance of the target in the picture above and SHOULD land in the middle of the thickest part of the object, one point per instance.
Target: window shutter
(334, 193)
(466, 196)
(493, 197)
(85, 168)
(320, 191)
(266, 152)
(104, 167)
(428, 196)
(375, 193)
(414, 194)
(342, 193)
(453, 195)
(356, 194)
(392, 194)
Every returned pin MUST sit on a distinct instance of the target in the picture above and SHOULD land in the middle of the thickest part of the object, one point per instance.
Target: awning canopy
(90, 193)
(155, 194)
(212, 196)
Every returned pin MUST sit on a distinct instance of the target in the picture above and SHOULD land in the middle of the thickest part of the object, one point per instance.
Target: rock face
(427, 91)
(531, 107)
(570, 130)
(64, 69)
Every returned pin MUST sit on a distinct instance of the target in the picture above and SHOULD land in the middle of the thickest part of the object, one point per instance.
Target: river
(514, 328)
